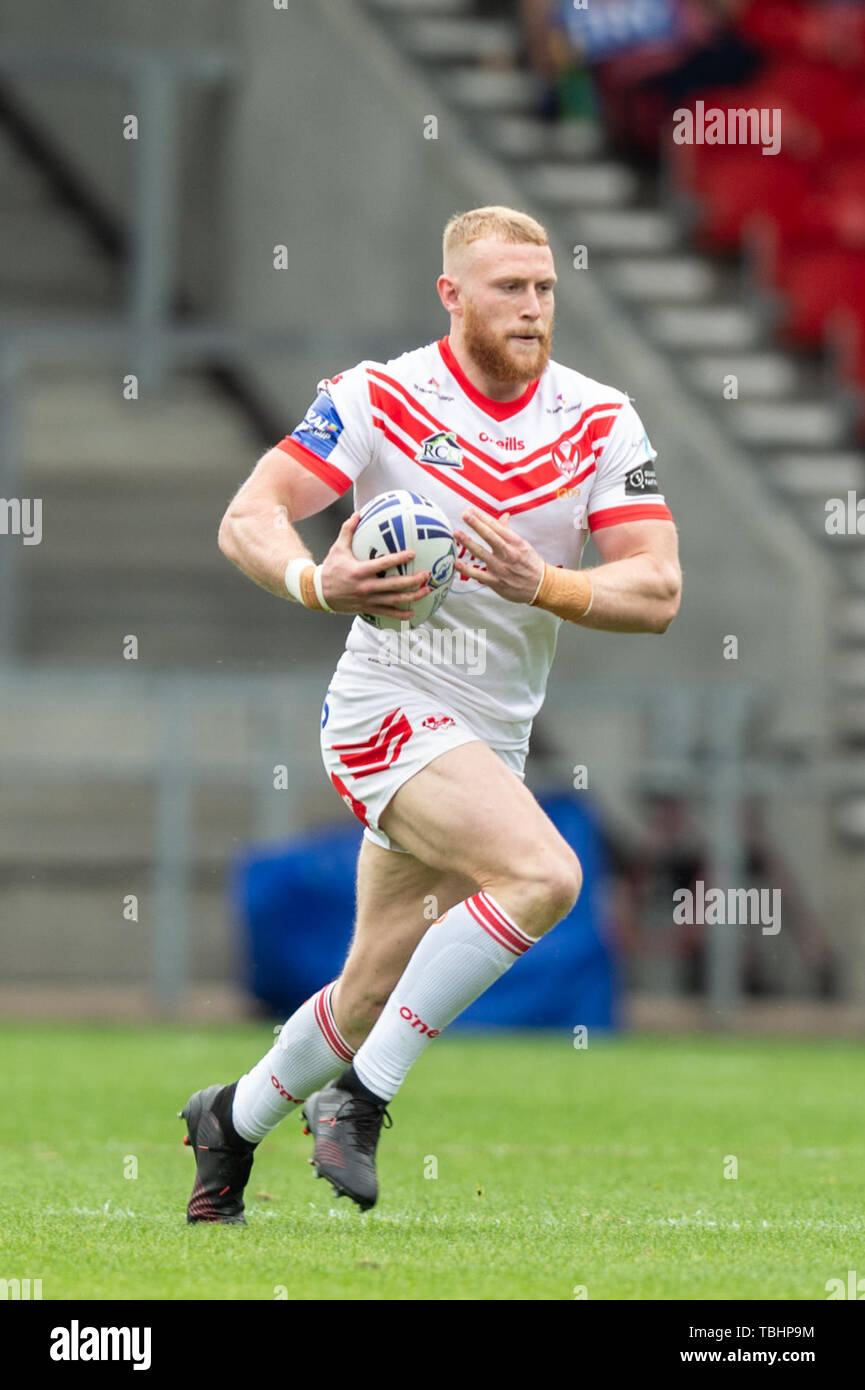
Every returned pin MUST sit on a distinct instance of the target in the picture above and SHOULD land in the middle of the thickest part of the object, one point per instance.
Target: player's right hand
(357, 586)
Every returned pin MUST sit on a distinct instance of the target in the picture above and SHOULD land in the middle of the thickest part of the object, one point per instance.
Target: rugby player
(526, 457)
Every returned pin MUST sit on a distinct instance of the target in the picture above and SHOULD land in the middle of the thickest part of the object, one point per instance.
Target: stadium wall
(83, 111)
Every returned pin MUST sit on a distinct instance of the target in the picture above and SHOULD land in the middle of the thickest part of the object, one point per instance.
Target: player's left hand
(513, 567)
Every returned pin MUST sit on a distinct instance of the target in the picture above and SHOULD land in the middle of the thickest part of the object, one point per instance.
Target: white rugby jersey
(567, 457)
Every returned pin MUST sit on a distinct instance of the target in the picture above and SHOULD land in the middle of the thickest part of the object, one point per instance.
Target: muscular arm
(637, 588)
(257, 535)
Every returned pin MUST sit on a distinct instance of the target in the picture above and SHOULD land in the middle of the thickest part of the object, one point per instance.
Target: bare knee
(539, 893)
(561, 883)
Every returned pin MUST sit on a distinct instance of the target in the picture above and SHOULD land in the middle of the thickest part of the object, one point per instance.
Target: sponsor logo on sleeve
(641, 480)
(321, 426)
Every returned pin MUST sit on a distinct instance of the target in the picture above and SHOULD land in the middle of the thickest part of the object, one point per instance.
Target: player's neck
(494, 390)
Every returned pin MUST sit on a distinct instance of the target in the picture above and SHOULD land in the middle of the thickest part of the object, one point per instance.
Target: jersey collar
(499, 410)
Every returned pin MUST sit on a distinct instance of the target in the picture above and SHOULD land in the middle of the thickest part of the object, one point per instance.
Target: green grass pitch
(558, 1170)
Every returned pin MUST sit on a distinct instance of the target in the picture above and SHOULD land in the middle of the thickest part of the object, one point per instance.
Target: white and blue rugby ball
(403, 520)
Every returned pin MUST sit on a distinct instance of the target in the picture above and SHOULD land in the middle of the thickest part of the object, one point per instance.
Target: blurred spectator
(668, 959)
(636, 59)
(663, 958)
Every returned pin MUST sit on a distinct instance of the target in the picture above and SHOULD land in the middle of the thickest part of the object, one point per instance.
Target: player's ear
(449, 293)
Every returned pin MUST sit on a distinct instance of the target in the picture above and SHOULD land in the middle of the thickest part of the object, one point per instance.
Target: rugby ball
(403, 520)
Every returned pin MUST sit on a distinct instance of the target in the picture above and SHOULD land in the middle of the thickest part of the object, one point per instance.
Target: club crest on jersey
(570, 453)
(442, 450)
(437, 721)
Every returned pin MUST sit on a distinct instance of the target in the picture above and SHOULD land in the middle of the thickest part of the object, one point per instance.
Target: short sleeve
(335, 439)
(626, 487)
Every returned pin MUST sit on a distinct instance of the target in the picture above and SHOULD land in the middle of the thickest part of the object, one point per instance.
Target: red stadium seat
(822, 112)
(825, 219)
(693, 165)
(815, 284)
(827, 32)
(775, 26)
(738, 181)
(845, 176)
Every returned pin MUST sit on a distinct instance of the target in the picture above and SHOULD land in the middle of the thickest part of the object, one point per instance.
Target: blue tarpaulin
(296, 906)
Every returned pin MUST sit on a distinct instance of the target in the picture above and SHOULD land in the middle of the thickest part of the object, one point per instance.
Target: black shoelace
(368, 1120)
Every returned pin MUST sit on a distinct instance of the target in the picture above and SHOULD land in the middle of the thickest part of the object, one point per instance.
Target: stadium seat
(833, 32)
(825, 220)
(732, 186)
(815, 284)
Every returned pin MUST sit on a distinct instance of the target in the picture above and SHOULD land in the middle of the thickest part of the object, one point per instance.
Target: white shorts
(376, 733)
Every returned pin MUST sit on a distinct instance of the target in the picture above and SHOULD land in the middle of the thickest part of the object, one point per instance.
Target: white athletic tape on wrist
(538, 589)
(293, 570)
(319, 592)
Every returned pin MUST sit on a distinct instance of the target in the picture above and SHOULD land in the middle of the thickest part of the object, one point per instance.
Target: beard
(497, 357)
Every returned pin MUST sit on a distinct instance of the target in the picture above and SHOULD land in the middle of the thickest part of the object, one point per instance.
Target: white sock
(459, 957)
(309, 1052)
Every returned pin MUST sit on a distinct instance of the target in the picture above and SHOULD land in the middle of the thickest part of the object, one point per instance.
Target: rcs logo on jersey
(442, 450)
(321, 426)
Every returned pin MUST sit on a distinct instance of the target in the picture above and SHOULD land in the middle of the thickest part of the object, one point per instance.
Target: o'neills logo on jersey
(510, 443)
(442, 450)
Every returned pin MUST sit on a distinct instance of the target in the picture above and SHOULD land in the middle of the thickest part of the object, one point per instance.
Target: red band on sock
(489, 915)
(324, 1018)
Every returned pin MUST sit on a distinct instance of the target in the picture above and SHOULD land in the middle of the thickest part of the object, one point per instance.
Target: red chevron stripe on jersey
(324, 1018)
(381, 750)
(606, 409)
(516, 488)
(500, 928)
(480, 497)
